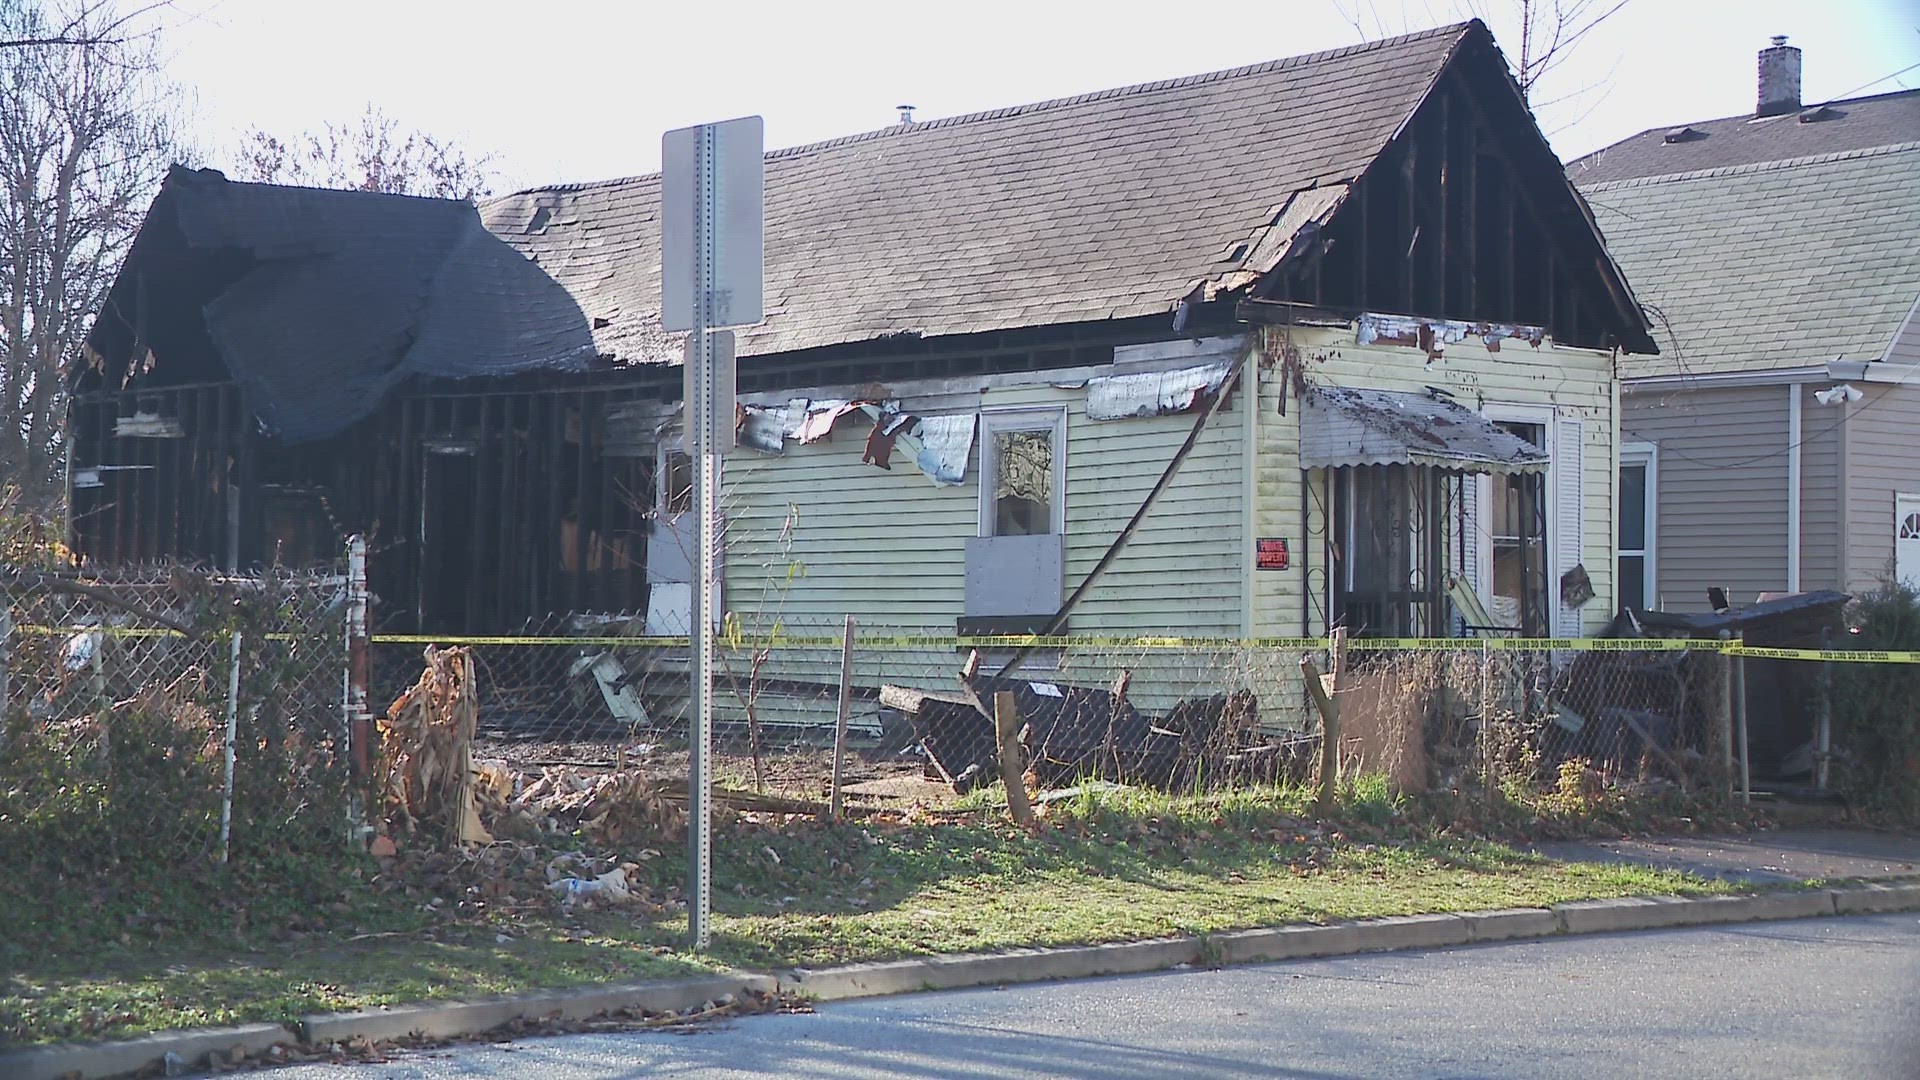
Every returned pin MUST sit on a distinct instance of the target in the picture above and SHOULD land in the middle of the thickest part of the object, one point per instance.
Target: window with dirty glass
(1020, 474)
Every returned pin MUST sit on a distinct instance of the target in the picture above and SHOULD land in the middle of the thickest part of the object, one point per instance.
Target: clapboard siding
(1905, 348)
(1574, 383)
(1722, 488)
(1820, 492)
(1882, 457)
(889, 548)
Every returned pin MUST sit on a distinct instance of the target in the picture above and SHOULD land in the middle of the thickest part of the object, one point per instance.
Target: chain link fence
(591, 694)
(158, 716)
(176, 715)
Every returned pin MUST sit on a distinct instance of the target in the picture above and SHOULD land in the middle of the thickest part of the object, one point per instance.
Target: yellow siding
(888, 547)
(1574, 382)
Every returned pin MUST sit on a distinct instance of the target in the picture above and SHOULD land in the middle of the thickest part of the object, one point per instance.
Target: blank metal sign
(736, 176)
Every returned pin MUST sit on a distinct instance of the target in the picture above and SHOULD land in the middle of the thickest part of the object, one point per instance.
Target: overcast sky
(571, 90)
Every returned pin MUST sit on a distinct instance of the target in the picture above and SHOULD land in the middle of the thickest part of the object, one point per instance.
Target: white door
(1906, 542)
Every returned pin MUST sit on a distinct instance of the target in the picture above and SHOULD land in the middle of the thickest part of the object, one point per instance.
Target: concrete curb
(1018, 965)
(449, 1019)
(1876, 897)
(132, 1055)
(446, 1019)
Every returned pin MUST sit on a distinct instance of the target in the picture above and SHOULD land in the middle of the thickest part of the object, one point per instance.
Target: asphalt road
(1802, 999)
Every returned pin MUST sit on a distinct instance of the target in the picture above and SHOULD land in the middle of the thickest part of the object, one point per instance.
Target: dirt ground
(794, 772)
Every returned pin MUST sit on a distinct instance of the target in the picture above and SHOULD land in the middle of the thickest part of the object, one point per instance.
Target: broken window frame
(671, 500)
(1053, 421)
(1537, 597)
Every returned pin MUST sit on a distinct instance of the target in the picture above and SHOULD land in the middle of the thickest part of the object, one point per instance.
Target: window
(1518, 541)
(676, 482)
(1635, 553)
(1023, 473)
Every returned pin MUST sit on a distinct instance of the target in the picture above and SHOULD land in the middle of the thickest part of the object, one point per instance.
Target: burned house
(986, 337)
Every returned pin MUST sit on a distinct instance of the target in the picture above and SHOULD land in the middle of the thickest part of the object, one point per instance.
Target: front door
(1906, 539)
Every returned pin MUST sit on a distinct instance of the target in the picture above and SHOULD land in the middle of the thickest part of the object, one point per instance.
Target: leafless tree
(81, 25)
(1538, 36)
(85, 137)
(372, 153)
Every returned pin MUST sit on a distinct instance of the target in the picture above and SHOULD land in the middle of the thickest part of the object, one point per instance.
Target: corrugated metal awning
(1340, 427)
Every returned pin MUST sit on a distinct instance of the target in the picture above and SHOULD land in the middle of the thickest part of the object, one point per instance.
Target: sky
(575, 90)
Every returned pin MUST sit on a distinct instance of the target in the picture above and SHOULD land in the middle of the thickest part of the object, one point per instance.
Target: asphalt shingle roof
(1769, 265)
(342, 296)
(1102, 206)
(1852, 124)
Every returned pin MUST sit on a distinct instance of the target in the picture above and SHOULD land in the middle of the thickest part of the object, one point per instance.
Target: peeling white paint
(1153, 393)
(1432, 336)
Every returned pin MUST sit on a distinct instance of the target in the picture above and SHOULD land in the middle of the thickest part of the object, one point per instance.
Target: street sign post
(711, 182)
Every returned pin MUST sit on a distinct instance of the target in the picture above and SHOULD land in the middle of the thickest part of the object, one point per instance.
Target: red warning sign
(1270, 553)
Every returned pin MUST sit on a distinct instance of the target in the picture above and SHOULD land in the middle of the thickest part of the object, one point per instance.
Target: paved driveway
(1768, 857)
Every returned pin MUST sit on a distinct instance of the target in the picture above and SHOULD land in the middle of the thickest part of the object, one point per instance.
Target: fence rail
(167, 715)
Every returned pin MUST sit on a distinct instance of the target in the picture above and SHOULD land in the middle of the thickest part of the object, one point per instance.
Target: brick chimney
(1779, 79)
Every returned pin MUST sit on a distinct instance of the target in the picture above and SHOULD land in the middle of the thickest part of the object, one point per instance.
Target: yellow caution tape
(946, 642)
(1845, 656)
(1014, 641)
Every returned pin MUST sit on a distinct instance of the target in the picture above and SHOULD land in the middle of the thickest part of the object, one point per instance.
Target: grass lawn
(1109, 866)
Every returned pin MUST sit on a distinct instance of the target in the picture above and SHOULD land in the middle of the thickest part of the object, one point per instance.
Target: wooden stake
(840, 721)
(1006, 720)
(1326, 697)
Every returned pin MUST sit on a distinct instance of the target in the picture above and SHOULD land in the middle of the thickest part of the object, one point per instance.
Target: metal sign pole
(700, 419)
(711, 254)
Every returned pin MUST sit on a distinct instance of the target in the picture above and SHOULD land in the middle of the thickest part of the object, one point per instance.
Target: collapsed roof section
(320, 302)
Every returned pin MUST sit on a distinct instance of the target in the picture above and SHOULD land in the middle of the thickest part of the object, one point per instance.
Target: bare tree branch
(371, 154)
(95, 22)
(84, 140)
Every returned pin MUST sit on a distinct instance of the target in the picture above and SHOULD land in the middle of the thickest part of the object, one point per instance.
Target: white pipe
(233, 714)
(1249, 493)
(1793, 488)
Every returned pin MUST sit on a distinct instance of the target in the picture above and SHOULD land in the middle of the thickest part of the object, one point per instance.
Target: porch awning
(1340, 427)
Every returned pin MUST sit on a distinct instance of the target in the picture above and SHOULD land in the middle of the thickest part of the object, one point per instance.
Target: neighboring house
(1018, 316)
(1774, 444)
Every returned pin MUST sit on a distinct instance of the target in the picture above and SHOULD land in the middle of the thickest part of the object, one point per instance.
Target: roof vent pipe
(906, 111)
(1779, 79)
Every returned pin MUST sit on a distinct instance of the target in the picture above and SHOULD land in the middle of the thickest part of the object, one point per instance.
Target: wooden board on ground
(904, 790)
